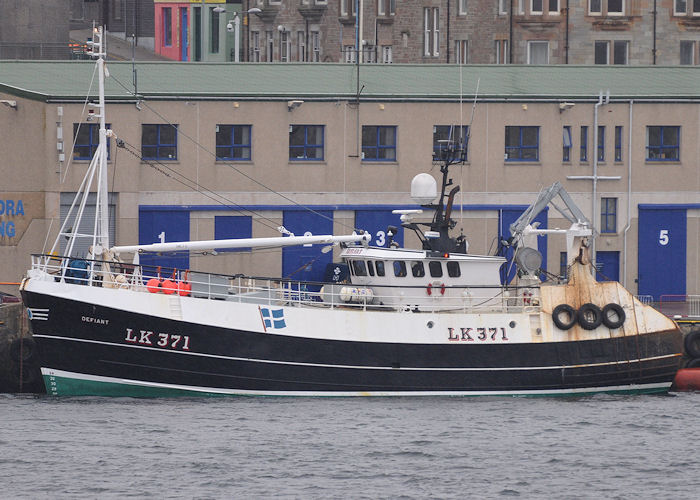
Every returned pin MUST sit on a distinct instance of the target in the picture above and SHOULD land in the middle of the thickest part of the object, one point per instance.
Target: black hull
(239, 362)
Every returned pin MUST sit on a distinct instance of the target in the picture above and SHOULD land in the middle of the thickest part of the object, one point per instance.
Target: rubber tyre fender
(619, 311)
(692, 344)
(693, 363)
(564, 308)
(27, 350)
(593, 310)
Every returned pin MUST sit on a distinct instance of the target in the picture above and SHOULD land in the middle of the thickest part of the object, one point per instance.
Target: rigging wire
(233, 167)
(82, 113)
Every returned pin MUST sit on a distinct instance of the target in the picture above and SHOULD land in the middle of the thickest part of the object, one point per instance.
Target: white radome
(423, 189)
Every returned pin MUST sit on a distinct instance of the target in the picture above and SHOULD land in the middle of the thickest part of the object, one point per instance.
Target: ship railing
(277, 291)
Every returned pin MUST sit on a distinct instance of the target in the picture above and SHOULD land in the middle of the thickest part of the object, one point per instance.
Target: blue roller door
(175, 225)
(608, 266)
(662, 251)
(376, 222)
(506, 216)
(302, 262)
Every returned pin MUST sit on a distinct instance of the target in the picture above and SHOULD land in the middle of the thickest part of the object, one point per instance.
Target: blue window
(167, 26)
(522, 143)
(618, 143)
(306, 142)
(608, 215)
(378, 143)
(450, 142)
(233, 226)
(566, 144)
(87, 137)
(159, 142)
(663, 143)
(583, 152)
(601, 143)
(233, 142)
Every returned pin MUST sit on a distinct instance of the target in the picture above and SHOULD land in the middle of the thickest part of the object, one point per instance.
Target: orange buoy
(169, 287)
(687, 379)
(153, 285)
(184, 288)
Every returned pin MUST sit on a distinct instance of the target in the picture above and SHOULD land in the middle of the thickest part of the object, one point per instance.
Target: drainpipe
(653, 50)
(448, 31)
(566, 43)
(510, 34)
(629, 197)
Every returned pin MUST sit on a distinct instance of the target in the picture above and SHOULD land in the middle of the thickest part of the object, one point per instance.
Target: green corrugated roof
(70, 80)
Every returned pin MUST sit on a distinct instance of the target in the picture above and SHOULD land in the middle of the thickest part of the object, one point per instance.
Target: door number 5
(663, 237)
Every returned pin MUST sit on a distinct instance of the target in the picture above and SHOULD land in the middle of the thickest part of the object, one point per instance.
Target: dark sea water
(593, 447)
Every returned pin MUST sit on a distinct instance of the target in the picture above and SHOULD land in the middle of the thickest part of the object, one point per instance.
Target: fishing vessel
(435, 320)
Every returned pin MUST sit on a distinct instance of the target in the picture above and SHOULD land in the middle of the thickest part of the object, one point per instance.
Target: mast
(102, 202)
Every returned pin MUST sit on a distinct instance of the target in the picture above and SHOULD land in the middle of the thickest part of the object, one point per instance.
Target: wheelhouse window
(453, 269)
(522, 143)
(378, 143)
(663, 143)
(233, 142)
(380, 268)
(417, 269)
(450, 141)
(435, 268)
(359, 268)
(159, 142)
(608, 215)
(87, 137)
(400, 269)
(306, 142)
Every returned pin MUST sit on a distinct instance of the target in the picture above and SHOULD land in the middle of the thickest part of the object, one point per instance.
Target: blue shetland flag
(273, 318)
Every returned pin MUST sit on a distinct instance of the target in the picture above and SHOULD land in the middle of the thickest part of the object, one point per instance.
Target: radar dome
(423, 189)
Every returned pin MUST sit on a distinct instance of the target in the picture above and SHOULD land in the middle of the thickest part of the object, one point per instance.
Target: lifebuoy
(618, 313)
(589, 316)
(567, 311)
(692, 344)
(429, 288)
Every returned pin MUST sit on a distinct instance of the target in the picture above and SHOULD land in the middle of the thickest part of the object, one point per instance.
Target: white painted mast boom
(279, 241)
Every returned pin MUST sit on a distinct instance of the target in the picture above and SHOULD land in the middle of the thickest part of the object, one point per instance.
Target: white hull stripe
(215, 390)
(365, 367)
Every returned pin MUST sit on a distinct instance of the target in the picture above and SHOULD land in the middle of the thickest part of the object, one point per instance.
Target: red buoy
(687, 379)
(184, 289)
(169, 287)
(153, 285)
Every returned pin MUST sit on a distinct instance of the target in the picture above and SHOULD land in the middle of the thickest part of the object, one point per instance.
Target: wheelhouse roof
(69, 81)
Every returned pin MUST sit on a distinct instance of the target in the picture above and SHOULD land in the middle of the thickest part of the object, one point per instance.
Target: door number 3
(663, 237)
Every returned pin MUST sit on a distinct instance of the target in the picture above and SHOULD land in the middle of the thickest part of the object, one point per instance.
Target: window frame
(599, 11)
(167, 27)
(677, 11)
(307, 146)
(159, 145)
(232, 146)
(618, 143)
(255, 46)
(502, 7)
(553, 12)
(601, 143)
(566, 148)
(315, 46)
(462, 6)
(533, 9)
(214, 31)
(601, 43)
(520, 148)
(450, 130)
(377, 146)
(533, 43)
(662, 145)
(301, 46)
(285, 46)
(583, 144)
(692, 44)
(615, 45)
(616, 13)
(435, 268)
(431, 32)
(462, 51)
(608, 215)
(93, 142)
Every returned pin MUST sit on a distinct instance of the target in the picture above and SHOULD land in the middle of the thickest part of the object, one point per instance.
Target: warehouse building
(205, 151)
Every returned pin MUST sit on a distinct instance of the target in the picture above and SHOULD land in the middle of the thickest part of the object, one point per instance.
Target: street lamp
(234, 25)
